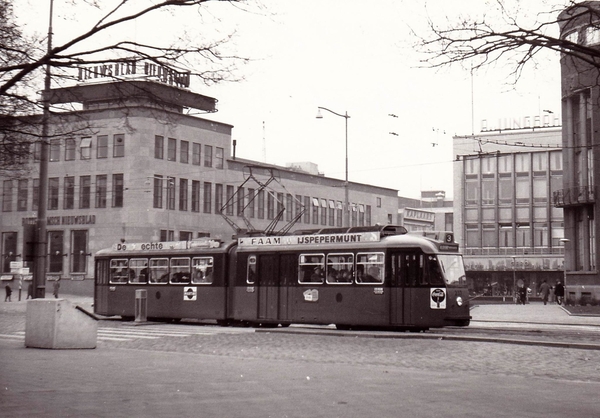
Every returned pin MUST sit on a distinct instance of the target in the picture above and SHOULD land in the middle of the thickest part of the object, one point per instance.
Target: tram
(358, 277)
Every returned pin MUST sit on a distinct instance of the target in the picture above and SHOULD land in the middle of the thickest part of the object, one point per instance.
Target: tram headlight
(459, 300)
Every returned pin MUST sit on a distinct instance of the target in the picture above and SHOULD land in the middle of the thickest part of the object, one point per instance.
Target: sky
(348, 56)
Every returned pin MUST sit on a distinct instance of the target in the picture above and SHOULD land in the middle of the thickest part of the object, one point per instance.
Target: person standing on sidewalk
(559, 292)
(55, 288)
(8, 293)
(544, 291)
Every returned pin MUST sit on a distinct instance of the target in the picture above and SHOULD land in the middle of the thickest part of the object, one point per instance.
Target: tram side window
(251, 270)
(370, 268)
(202, 270)
(180, 270)
(340, 268)
(119, 273)
(138, 270)
(159, 270)
(311, 268)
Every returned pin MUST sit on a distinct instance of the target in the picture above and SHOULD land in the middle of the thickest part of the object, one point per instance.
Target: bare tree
(23, 60)
(505, 33)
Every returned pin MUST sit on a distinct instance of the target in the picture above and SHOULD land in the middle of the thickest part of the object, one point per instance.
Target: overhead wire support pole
(41, 244)
(346, 209)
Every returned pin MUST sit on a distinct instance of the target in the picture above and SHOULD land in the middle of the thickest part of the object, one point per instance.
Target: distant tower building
(581, 121)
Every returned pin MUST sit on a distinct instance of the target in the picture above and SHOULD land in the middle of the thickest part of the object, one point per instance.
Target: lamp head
(319, 115)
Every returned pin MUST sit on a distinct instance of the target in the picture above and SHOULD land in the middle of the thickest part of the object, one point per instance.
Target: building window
(119, 145)
(69, 149)
(55, 150)
(86, 148)
(523, 191)
(323, 212)
(229, 200)
(183, 194)
(55, 251)
(523, 235)
(289, 207)
(184, 152)
(171, 193)
(102, 146)
(505, 189)
(473, 239)
(488, 189)
(540, 235)
(306, 209)
(315, 211)
(22, 195)
(79, 249)
(298, 209)
(361, 215)
(167, 235)
(69, 193)
(157, 192)
(218, 197)
(159, 147)
(208, 156)
(240, 201)
(378, 202)
(490, 238)
(196, 153)
(101, 187)
(185, 235)
(219, 157)
(270, 206)
(471, 191)
(84, 192)
(368, 215)
(195, 196)
(250, 207)
(207, 197)
(37, 151)
(261, 204)
(172, 149)
(9, 250)
(7, 192)
(117, 191)
(339, 210)
(53, 193)
(35, 194)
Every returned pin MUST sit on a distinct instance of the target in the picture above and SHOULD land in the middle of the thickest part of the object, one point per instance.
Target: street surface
(188, 369)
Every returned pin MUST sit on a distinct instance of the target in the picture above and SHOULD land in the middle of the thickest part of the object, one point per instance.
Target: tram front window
(453, 269)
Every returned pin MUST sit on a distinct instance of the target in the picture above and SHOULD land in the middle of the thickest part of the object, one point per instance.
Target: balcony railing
(574, 196)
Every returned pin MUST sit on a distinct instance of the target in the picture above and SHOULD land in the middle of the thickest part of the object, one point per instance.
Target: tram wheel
(343, 327)
(127, 318)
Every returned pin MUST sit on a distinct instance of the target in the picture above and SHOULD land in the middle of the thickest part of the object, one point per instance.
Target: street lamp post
(346, 209)
(514, 289)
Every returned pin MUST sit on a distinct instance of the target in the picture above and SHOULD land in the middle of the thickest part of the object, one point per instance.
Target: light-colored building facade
(505, 221)
(143, 170)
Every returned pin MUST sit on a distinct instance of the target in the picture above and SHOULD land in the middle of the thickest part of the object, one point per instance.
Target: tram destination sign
(350, 238)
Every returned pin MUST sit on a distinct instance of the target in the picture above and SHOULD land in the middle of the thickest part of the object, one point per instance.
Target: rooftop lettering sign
(135, 69)
(350, 238)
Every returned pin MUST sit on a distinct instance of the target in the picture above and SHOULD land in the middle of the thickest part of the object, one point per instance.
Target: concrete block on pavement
(57, 323)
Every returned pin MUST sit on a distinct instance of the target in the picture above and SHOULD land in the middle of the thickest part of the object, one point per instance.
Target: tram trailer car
(360, 277)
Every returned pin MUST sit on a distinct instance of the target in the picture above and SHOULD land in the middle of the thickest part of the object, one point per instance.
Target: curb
(429, 336)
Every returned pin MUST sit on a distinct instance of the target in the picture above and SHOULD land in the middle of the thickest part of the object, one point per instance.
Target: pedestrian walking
(544, 291)
(30, 291)
(55, 287)
(559, 292)
(8, 293)
(522, 292)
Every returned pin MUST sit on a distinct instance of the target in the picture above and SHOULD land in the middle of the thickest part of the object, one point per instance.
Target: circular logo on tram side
(189, 293)
(438, 298)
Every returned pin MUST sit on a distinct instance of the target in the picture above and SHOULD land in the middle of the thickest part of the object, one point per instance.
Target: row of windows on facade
(118, 150)
(492, 180)
(251, 203)
(76, 257)
(511, 236)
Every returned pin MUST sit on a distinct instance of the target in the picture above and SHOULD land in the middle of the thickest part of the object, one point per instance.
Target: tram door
(397, 309)
(268, 286)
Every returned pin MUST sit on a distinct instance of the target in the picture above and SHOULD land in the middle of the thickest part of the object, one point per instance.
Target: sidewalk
(535, 312)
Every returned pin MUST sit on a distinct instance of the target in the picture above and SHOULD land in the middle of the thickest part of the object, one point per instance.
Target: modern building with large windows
(505, 220)
(131, 164)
